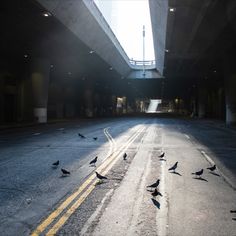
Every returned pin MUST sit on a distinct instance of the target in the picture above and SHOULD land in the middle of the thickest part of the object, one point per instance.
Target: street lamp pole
(144, 50)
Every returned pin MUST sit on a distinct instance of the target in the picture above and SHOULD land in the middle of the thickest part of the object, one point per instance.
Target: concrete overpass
(70, 64)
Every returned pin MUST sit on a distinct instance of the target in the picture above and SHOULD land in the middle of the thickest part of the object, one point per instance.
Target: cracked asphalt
(30, 189)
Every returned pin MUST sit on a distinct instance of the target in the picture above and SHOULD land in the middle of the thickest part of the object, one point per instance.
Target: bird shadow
(162, 159)
(156, 203)
(176, 173)
(200, 178)
(99, 183)
(64, 176)
(214, 174)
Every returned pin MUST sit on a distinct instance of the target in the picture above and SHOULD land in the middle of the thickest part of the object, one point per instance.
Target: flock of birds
(154, 186)
(91, 163)
(173, 168)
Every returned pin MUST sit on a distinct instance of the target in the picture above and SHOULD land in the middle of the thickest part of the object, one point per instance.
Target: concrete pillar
(88, 95)
(40, 70)
(230, 99)
(202, 96)
(230, 88)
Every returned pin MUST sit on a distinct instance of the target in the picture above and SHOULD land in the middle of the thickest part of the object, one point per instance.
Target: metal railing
(141, 63)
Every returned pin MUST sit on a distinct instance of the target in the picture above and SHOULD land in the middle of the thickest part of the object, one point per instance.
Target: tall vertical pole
(143, 50)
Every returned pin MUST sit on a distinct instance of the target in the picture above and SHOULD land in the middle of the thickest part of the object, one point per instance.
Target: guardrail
(142, 63)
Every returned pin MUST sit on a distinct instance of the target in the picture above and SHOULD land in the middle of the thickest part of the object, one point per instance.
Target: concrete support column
(1, 99)
(88, 99)
(202, 96)
(230, 99)
(230, 88)
(40, 70)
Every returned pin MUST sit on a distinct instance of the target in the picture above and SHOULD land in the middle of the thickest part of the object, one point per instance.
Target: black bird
(212, 168)
(156, 193)
(56, 164)
(95, 138)
(65, 172)
(93, 162)
(198, 173)
(125, 156)
(162, 155)
(81, 135)
(174, 166)
(154, 185)
(100, 177)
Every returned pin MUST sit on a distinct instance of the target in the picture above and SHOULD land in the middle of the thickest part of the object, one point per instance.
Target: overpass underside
(70, 64)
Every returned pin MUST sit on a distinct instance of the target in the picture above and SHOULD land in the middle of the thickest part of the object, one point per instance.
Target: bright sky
(126, 18)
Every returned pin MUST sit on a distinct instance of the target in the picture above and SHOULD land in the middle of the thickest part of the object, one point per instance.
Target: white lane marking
(226, 179)
(35, 134)
(60, 129)
(111, 141)
(208, 158)
(95, 215)
(187, 136)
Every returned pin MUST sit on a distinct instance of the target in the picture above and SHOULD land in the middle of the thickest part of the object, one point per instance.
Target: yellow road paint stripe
(65, 204)
(70, 211)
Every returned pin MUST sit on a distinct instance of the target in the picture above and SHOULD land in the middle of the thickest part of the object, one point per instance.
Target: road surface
(35, 199)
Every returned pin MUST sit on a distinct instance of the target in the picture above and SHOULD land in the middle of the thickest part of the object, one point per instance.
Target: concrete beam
(85, 20)
(159, 12)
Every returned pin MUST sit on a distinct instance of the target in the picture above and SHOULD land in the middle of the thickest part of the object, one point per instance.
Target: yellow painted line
(61, 208)
(65, 204)
(69, 212)
(76, 205)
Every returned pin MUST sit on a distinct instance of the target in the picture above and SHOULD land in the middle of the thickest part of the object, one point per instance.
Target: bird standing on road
(212, 168)
(65, 172)
(198, 173)
(162, 155)
(174, 166)
(93, 162)
(154, 185)
(55, 164)
(81, 135)
(124, 156)
(100, 177)
(155, 193)
(95, 138)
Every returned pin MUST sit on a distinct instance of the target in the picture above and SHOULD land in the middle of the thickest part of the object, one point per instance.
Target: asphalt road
(36, 199)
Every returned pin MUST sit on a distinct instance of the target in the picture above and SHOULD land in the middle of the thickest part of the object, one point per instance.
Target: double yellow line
(54, 221)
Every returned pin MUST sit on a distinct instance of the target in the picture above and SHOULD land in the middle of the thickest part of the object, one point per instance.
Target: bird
(65, 172)
(95, 138)
(198, 173)
(125, 156)
(81, 135)
(56, 164)
(156, 193)
(93, 162)
(212, 168)
(174, 166)
(154, 185)
(100, 177)
(162, 155)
